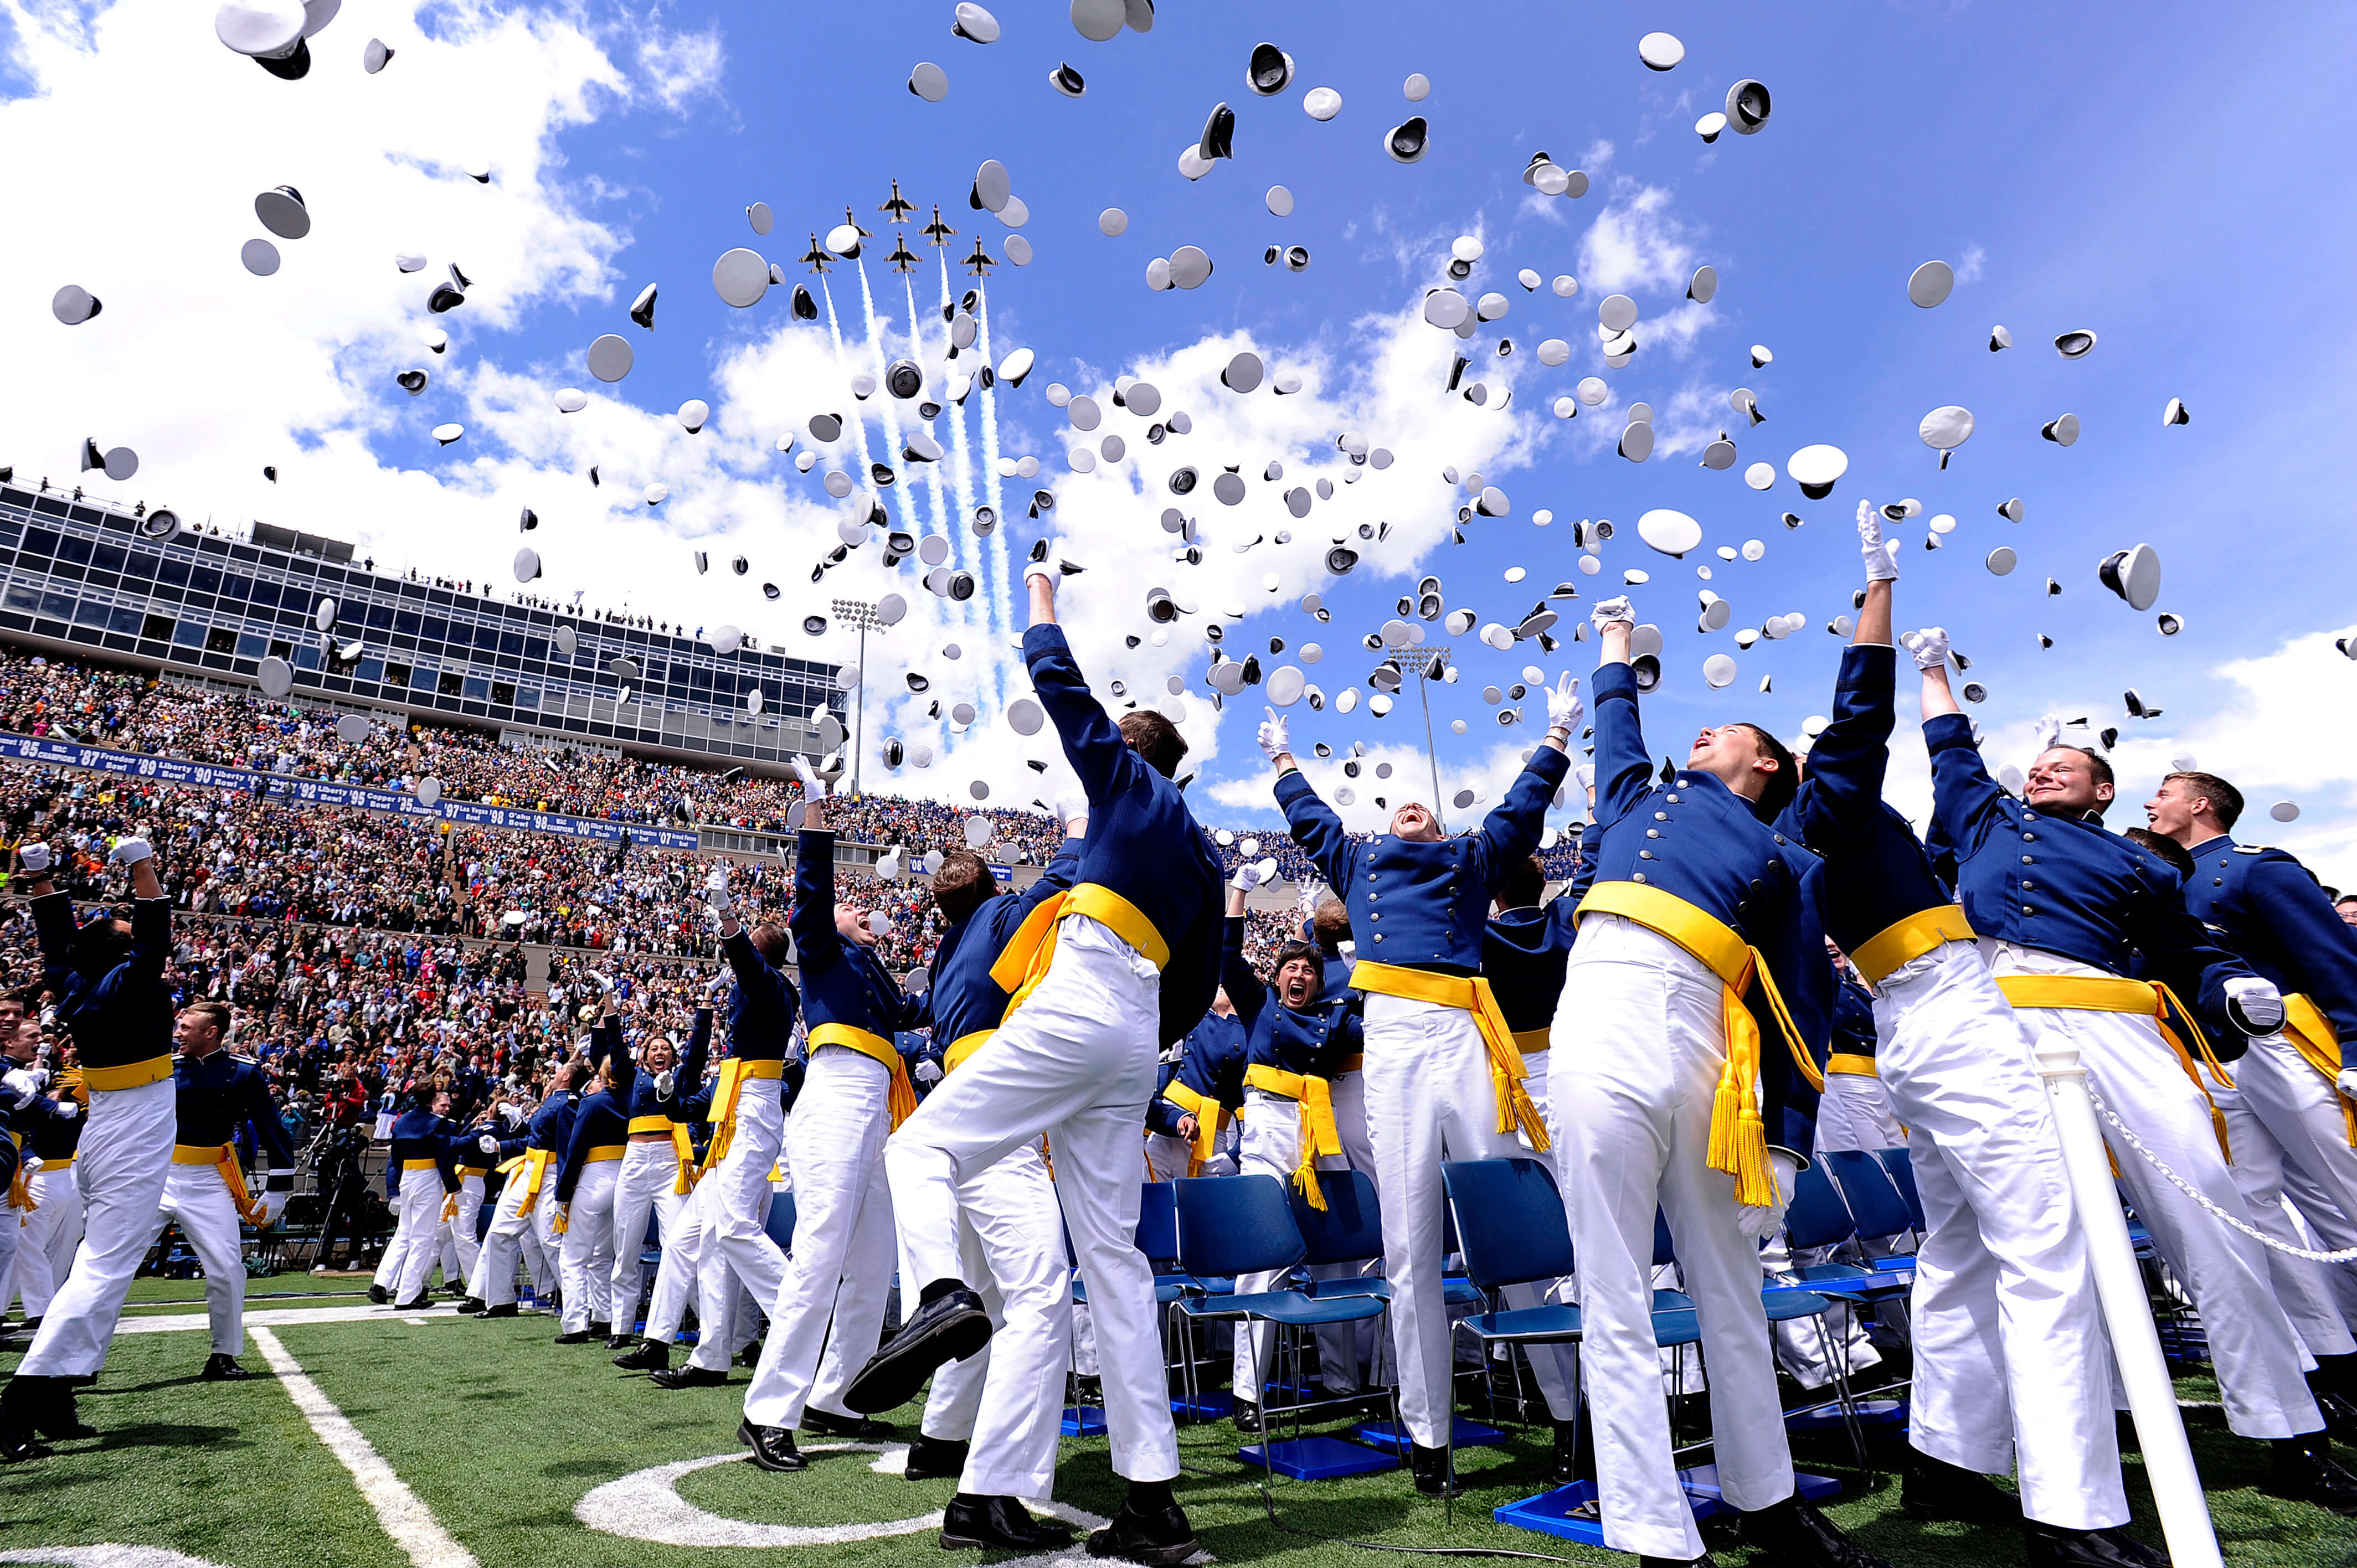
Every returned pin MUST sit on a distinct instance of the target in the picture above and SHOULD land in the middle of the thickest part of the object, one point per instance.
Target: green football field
(449, 1442)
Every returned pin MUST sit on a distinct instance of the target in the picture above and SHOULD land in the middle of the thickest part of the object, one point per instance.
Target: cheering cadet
(1132, 962)
(1666, 1078)
(855, 1091)
(2065, 904)
(992, 1420)
(468, 1163)
(528, 1201)
(1442, 1078)
(421, 1144)
(681, 1104)
(1199, 1099)
(658, 1172)
(52, 1228)
(108, 978)
(584, 1190)
(2002, 1250)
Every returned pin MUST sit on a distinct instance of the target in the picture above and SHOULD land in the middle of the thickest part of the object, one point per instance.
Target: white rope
(2346, 1255)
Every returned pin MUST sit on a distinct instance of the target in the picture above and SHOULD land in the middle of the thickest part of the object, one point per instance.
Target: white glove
(487, 1144)
(1760, 1222)
(2049, 732)
(22, 1083)
(715, 891)
(1050, 568)
(813, 786)
(132, 851)
(1880, 566)
(68, 1109)
(1586, 774)
(927, 1071)
(1566, 711)
(274, 1204)
(2347, 1081)
(1611, 612)
(1247, 877)
(1070, 803)
(37, 856)
(2255, 1006)
(1275, 742)
(1929, 646)
(665, 1081)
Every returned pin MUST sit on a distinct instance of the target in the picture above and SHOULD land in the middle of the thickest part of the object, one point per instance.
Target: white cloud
(1636, 244)
(682, 68)
(1974, 263)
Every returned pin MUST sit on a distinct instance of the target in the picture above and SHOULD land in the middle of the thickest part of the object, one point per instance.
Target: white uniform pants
(422, 1198)
(1638, 1047)
(462, 1229)
(12, 1230)
(841, 1266)
(1428, 1097)
(1006, 1403)
(587, 1264)
(2012, 1365)
(740, 1214)
(493, 1278)
(1855, 1113)
(44, 1253)
(126, 1148)
(198, 1201)
(1077, 1062)
(1272, 1147)
(650, 1172)
(2253, 1345)
(396, 1247)
(2300, 1113)
(2260, 1168)
(684, 1248)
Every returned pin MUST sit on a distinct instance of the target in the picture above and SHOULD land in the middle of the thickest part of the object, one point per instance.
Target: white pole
(2152, 1398)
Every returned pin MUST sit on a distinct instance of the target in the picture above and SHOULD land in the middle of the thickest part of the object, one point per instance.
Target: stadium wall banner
(292, 790)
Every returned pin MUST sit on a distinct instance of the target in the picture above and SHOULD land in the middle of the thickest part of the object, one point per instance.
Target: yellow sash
(534, 1163)
(2111, 994)
(1904, 941)
(1468, 994)
(1738, 1138)
(222, 1157)
(901, 1100)
(1351, 1065)
(20, 1192)
(733, 1071)
(963, 1046)
(1529, 1042)
(649, 1124)
(1318, 1134)
(2312, 1036)
(1850, 1062)
(1023, 963)
(417, 1165)
(135, 1075)
(682, 1150)
(601, 1153)
(1209, 1116)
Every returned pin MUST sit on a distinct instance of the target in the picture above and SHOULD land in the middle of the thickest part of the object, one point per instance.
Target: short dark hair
(768, 940)
(1155, 738)
(1303, 953)
(2162, 848)
(1782, 784)
(962, 884)
(2344, 898)
(1524, 884)
(216, 1011)
(2225, 801)
(2097, 764)
(1331, 922)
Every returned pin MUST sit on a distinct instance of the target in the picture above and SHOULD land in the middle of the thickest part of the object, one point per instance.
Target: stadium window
(174, 570)
(394, 674)
(40, 541)
(23, 597)
(157, 629)
(526, 697)
(110, 557)
(450, 684)
(222, 640)
(281, 649)
(76, 547)
(422, 679)
(205, 579)
(475, 688)
(250, 645)
(124, 618)
(189, 634)
(504, 692)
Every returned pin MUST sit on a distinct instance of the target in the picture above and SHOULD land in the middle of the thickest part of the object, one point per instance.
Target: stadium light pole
(1427, 669)
(861, 614)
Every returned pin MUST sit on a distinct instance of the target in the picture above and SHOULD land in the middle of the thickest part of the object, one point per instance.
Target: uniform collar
(2222, 841)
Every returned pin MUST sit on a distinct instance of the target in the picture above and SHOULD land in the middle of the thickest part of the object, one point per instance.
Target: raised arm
(1106, 764)
(698, 1052)
(812, 920)
(1623, 771)
(1511, 832)
(1244, 987)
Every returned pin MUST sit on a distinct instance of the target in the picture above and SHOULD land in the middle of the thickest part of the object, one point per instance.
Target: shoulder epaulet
(240, 1056)
(2253, 848)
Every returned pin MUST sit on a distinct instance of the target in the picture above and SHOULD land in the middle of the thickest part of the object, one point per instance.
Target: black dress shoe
(1159, 1538)
(573, 1336)
(936, 1458)
(619, 1342)
(379, 1295)
(504, 1309)
(773, 1446)
(456, 1292)
(1248, 1419)
(1794, 1532)
(40, 1407)
(749, 1357)
(857, 1429)
(2050, 1546)
(2340, 1414)
(1430, 1468)
(1568, 1445)
(688, 1377)
(17, 1443)
(600, 1330)
(999, 1524)
(422, 1303)
(1935, 1489)
(30, 1325)
(650, 1357)
(949, 1325)
(2304, 1472)
(473, 1306)
(220, 1368)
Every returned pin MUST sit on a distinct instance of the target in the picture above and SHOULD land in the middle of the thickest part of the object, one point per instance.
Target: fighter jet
(848, 218)
(816, 257)
(938, 233)
(902, 259)
(981, 261)
(899, 207)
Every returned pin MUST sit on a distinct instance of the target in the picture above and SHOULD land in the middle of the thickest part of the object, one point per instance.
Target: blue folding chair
(1899, 1163)
(781, 1223)
(1876, 1206)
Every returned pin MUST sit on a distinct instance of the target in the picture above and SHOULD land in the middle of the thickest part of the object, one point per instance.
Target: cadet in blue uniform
(2002, 1246)
(528, 1201)
(585, 1189)
(2288, 1102)
(2065, 904)
(52, 1229)
(108, 977)
(1199, 1099)
(855, 1091)
(993, 1420)
(1442, 1076)
(668, 1100)
(466, 1170)
(1130, 965)
(1696, 989)
(421, 1146)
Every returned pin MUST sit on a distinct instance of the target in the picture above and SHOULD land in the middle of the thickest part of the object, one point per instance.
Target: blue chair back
(781, 1220)
(1158, 1222)
(1511, 1227)
(1350, 1230)
(1234, 1224)
(1664, 1250)
(1816, 1216)
(1900, 1165)
(1874, 1203)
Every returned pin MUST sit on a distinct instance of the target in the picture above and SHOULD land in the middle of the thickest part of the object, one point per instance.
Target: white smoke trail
(859, 423)
(908, 518)
(930, 472)
(1001, 598)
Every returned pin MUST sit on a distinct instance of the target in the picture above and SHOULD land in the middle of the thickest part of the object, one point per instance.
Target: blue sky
(2177, 186)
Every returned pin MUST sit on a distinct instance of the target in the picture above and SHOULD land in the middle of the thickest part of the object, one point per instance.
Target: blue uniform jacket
(1424, 906)
(761, 1004)
(1875, 871)
(120, 1016)
(419, 1135)
(1695, 838)
(603, 1118)
(1317, 1039)
(2071, 888)
(1142, 843)
(964, 1000)
(1524, 954)
(686, 1076)
(552, 1125)
(2268, 910)
(464, 1149)
(843, 981)
(1853, 1031)
(48, 1135)
(1212, 1064)
(219, 1095)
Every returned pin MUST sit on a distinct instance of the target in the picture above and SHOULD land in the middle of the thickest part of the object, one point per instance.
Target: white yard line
(409, 1521)
(278, 1318)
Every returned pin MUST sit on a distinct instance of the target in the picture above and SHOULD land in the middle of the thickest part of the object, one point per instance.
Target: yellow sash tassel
(901, 1099)
(1210, 1117)
(683, 1149)
(20, 1191)
(450, 1206)
(1471, 994)
(1739, 1137)
(2311, 1033)
(223, 1158)
(1318, 1133)
(2112, 993)
(1023, 963)
(733, 1071)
